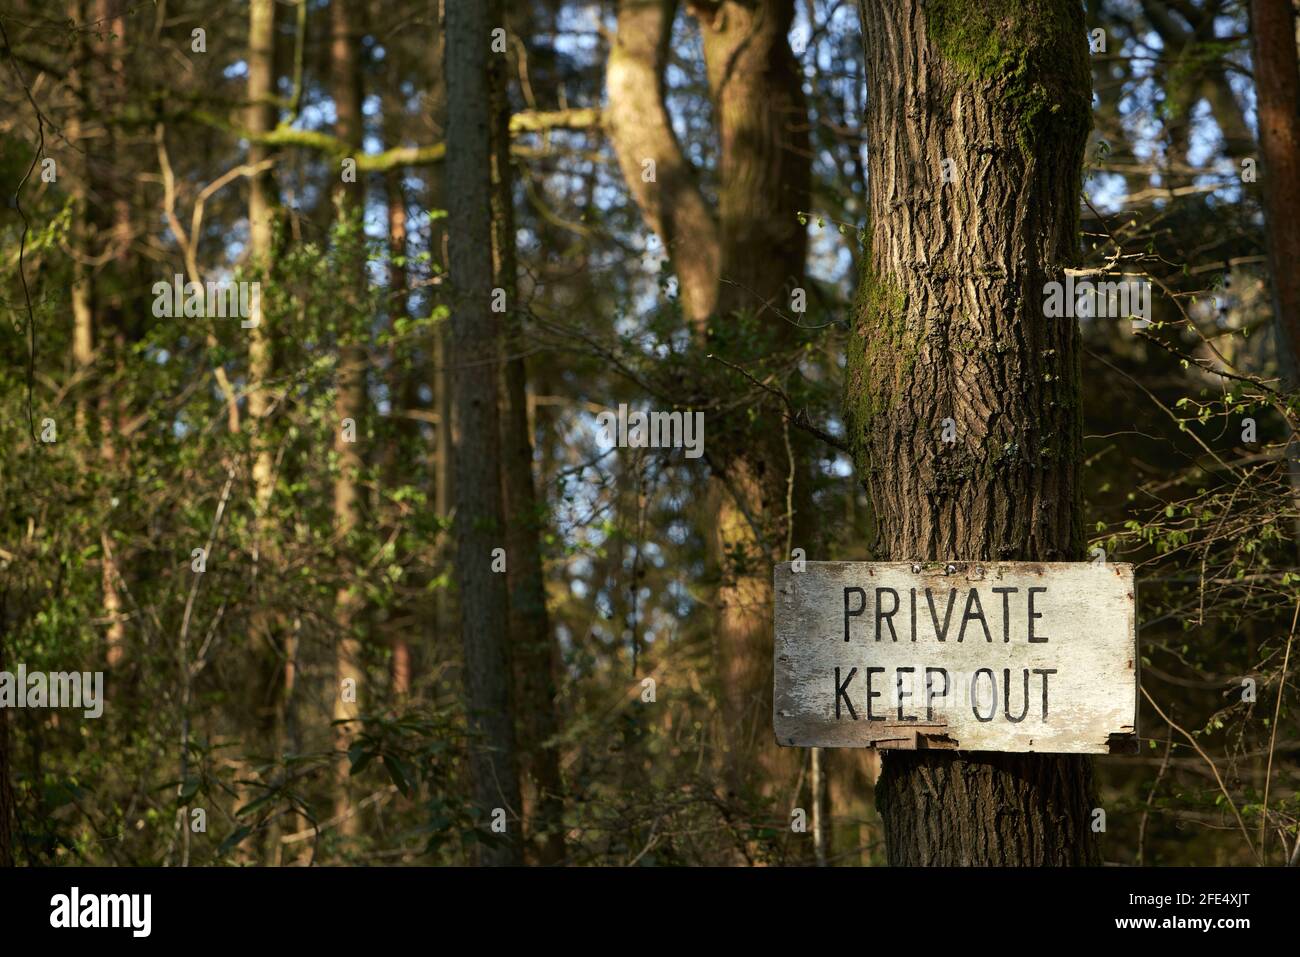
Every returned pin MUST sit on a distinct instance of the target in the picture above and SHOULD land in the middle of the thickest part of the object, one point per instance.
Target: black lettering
(841, 691)
(888, 616)
(913, 614)
(903, 694)
(1006, 696)
(1006, 610)
(1044, 672)
(993, 694)
(873, 694)
(929, 694)
(1034, 614)
(947, 619)
(862, 593)
(974, 599)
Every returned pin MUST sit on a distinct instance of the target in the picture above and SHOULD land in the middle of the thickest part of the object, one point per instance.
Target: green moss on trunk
(1023, 54)
(882, 352)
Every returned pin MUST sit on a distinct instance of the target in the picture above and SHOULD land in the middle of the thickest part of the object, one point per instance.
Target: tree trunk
(753, 255)
(444, 612)
(272, 642)
(1277, 93)
(113, 208)
(349, 406)
(765, 175)
(660, 178)
(1277, 85)
(80, 233)
(765, 158)
(262, 210)
(404, 392)
(950, 326)
(92, 342)
(480, 526)
(531, 647)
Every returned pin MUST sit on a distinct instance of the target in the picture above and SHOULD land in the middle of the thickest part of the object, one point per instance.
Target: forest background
(242, 523)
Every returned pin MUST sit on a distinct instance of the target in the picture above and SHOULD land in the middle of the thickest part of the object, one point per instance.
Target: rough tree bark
(950, 325)
(531, 646)
(480, 526)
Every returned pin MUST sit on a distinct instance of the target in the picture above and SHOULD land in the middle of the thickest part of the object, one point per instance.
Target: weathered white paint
(1084, 649)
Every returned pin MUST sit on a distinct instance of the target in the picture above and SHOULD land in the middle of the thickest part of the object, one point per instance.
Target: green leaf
(234, 838)
(398, 774)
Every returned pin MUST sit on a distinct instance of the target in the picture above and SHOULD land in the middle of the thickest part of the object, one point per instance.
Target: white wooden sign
(996, 656)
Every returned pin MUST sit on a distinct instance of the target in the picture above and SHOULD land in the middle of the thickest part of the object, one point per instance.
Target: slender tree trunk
(480, 526)
(1277, 95)
(83, 278)
(743, 262)
(406, 448)
(531, 646)
(115, 212)
(765, 171)
(444, 612)
(92, 342)
(274, 643)
(89, 226)
(263, 208)
(1277, 85)
(765, 176)
(403, 390)
(950, 326)
(444, 615)
(349, 410)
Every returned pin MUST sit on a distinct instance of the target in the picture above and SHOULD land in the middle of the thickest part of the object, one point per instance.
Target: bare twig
(1272, 738)
(1208, 760)
(797, 417)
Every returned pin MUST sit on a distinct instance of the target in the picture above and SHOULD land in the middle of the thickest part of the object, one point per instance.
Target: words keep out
(911, 693)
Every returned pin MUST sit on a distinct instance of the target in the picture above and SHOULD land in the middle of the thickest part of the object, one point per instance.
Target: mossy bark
(978, 121)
